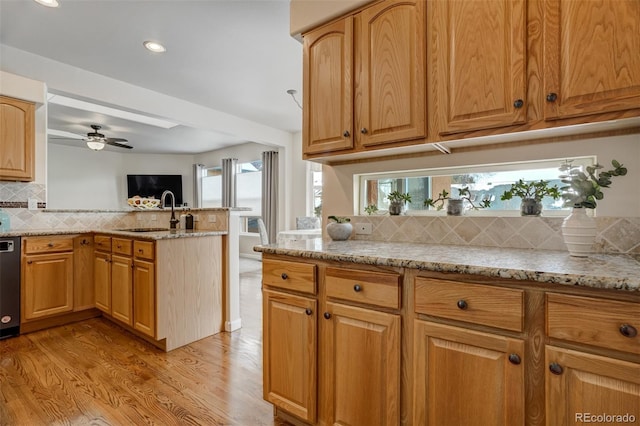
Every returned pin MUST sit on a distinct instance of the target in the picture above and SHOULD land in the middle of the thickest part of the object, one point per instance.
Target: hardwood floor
(95, 373)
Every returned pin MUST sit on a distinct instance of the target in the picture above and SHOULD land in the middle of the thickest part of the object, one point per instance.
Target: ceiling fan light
(48, 3)
(154, 46)
(96, 146)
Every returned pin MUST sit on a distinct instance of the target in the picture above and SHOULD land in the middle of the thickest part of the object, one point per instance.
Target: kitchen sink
(142, 229)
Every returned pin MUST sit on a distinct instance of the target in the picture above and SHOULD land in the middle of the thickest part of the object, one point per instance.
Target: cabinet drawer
(373, 288)
(50, 244)
(102, 243)
(121, 246)
(606, 323)
(144, 249)
(289, 275)
(479, 304)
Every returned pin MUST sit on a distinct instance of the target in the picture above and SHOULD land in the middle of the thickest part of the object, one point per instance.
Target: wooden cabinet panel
(122, 289)
(102, 243)
(83, 283)
(144, 297)
(102, 280)
(594, 322)
(465, 377)
(591, 56)
(585, 384)
(289, 352)
(144, 249)
(122, 246)
(373, 288)
(362, 366)
(480, 304)
(294, 276)
(327, 84)
(48, 244)
(479, 63)
(390, 94)
(17, 140)
(47, 285)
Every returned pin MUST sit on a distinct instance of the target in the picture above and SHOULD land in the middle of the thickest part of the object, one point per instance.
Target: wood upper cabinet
(122, 288)
(591, 57)
(361, 366)
(328, 88)
(144, 297)
(364, 79)
(390, 92)
(289, 352)
(17, 140)
(580, 384)
(479, 63)
(465, 377)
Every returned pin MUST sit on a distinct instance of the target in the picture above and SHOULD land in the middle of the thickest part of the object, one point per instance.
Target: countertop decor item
(531, 194)
(340, 229)
(582, 191)
(5, 223)
(455, 206)
(397, 202)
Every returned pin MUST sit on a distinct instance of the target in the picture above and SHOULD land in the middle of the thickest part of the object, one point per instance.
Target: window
(486, 182)
(212, 187)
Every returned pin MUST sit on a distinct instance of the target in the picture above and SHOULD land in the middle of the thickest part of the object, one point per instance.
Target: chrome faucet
(173, 222)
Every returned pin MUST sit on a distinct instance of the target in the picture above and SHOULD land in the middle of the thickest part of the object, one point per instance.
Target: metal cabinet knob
(308, 311)
(363, 130)
(50, 244)
(284, 276)
(326, 315)
(346, 134)
(552, 97)
(628, 330)
(357, 288)
(514, 359)
(462, 304)
(556, 368)
(519, 103)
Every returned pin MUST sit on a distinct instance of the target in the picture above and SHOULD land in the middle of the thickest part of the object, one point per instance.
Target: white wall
(622, 199)
(80, 178)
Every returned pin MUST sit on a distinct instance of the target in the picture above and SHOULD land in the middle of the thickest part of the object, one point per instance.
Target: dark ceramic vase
(454, 207)
(530, 207)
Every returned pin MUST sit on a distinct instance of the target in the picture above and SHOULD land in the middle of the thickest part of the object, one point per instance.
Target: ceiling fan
(96, 140)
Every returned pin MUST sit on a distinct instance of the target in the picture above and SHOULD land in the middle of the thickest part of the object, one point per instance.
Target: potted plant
(397, 201)
(340, 229)
(455, 205)
(531, 194)
(371, 209)
(583, 191)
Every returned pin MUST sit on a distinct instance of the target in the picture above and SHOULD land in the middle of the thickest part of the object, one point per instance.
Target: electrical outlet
(154, 217)
(139, 217)
(363, 228)
(32, 203)
(212, 218)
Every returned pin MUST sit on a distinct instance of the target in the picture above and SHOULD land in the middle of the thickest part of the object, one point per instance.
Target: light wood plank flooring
(95, 373)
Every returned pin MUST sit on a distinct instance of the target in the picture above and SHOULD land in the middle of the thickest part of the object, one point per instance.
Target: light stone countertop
(605, 271)
(156, 235)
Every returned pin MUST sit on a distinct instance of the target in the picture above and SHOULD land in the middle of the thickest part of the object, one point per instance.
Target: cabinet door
(144, 297)
(465, 377)
(47, 285)
(581, 385)
(17, 142)
(83, 285)
(479, 63)
(122, 289)
(102, 280)
(591, 57)
(289, 352)
(361, 370)
(391, 73)
(327, 84)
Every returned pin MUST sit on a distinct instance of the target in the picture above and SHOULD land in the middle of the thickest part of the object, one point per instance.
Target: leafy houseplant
(531, 194)
(371, 209)
(582, 191)
(454, 205)
(397, 201)
(340, 228)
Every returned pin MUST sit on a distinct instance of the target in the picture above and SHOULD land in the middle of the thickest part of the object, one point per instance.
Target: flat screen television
(154, 186)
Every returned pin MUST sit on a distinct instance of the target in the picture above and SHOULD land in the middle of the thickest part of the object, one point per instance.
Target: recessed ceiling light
(154, 46)
(48, 3)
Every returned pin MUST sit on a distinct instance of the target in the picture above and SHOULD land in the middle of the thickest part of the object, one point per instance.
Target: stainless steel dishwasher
(9, 287)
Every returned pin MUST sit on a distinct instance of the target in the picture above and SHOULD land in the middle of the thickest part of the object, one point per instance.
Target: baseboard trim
(233, 325)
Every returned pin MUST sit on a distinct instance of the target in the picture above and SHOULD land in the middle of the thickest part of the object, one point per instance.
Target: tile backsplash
(615, 235)
(17, 194)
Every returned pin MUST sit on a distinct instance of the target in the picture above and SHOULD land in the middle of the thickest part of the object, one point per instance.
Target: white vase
(339, 231)
(579, 232)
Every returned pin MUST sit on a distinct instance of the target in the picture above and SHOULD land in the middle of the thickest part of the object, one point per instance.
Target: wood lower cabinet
(591, 57)
(144, 296)
(122, 288)
(289, 351)
(83, 283)
(17, 139)
(464, 377)
(102, 280)
(361, 357)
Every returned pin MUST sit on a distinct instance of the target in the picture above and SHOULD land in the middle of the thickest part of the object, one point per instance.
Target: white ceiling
(234, 56)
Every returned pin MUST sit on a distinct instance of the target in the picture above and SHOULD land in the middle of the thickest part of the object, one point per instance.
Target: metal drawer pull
(555, 368)
(308, 311)
(357, 288)
(284, 276)
(628, 330)
(514, 359)
(327, 315)
(462, 304)
(552, 97)
(346, 134)
(50, 244)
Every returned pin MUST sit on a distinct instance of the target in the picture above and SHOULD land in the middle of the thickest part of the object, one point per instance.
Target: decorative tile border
(615, 235)
(19, 205)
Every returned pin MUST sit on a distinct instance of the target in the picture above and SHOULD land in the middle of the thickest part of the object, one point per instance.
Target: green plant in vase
(455, 205)
(397, 201)
(531, 194)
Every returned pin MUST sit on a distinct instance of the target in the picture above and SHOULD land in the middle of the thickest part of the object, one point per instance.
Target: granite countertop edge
(156, 235)
(625, 282)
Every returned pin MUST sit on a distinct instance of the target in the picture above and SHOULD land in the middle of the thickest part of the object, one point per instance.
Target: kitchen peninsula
(417, 333)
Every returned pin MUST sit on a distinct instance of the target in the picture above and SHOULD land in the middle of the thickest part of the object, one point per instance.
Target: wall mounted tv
(154, 186)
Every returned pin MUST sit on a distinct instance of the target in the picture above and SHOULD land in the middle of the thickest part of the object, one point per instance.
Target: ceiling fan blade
(115, 140)
(109, 141)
